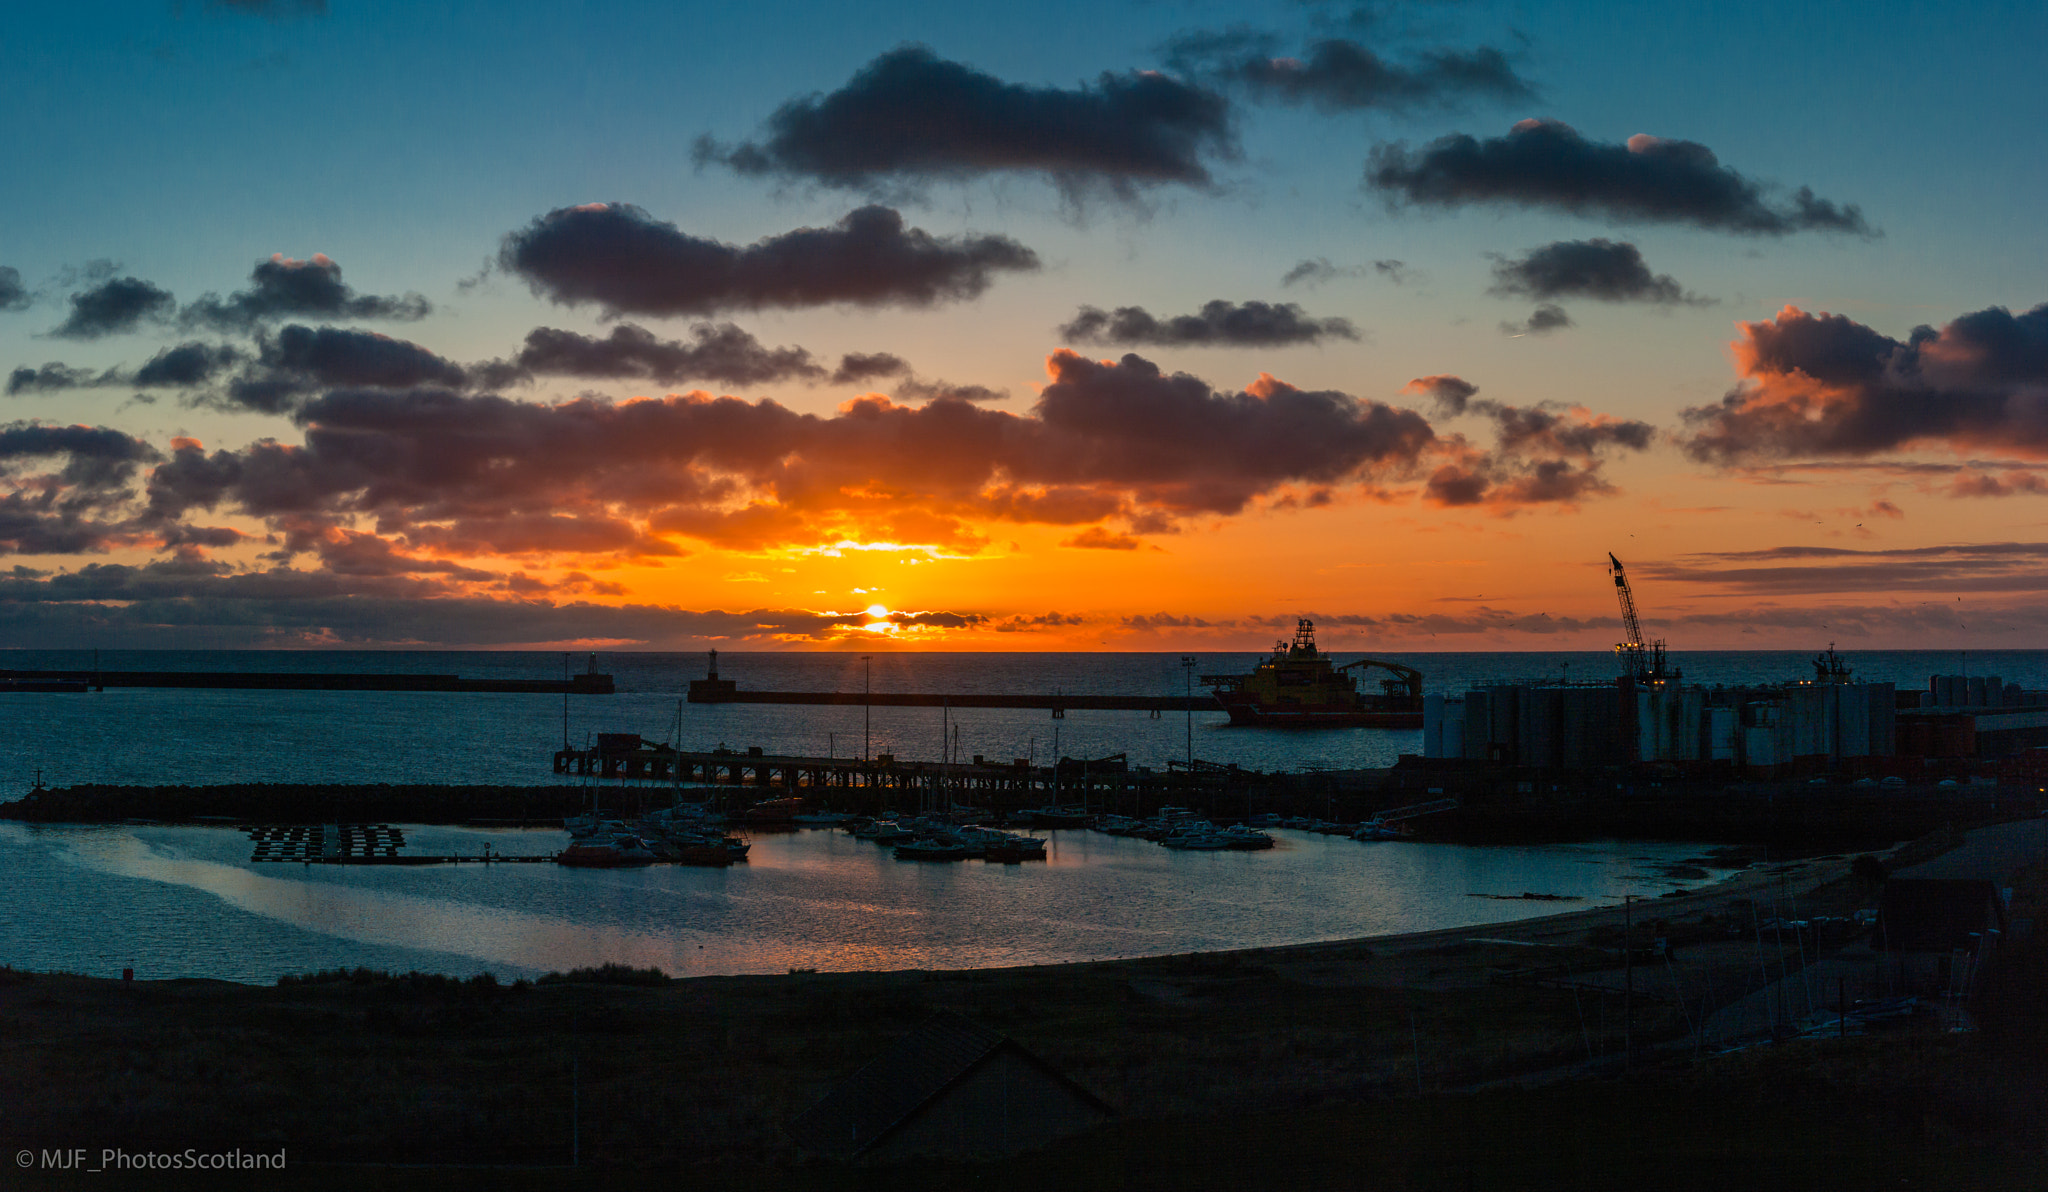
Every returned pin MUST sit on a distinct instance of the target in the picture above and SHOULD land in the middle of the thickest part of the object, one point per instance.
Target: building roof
(911, 1073)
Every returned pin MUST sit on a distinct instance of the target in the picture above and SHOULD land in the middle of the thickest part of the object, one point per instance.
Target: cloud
(186, 365)
(458, 473)
(1542, 455)
(1603, 270)
(300, 360)
(1826, 386)
(285, 288)
(1340, 75)
(858, 368)
(623, 260)
(1153, 622)
(55, 377)
(920, 390)
(113, 307)
(910, 116)
(1450, 394)
(1220, 324)
(12, 294)
(1314, 272)
(721, 353)
(1393, 271)
(79, 507)
(1543, 320)
(1546, 164)
(208, 606)
(1098, 538)
(1022, 623)
(1941, 570)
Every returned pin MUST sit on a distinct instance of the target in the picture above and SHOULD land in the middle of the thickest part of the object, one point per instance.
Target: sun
(876, 611)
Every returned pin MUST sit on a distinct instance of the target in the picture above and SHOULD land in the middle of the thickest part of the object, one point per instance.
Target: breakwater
(584, 684)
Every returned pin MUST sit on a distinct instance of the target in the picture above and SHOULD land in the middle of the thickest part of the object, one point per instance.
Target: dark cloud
(300, 360)
(464, 473)
(913, 389)
(12, 294)
(97, 458)
(52, 378)
(1544, 163)
(1827, 386)
(1542, 455)
(285, 288)
(626, 262)
(858, 368)
(1603, 270)
(1543, 320)
(1393, 271)
(1450, 394)
(186, 365)
(114, 307)
(78, 508)
(911, 116)
(1220, 324)
(721, 353)
(1340, 75)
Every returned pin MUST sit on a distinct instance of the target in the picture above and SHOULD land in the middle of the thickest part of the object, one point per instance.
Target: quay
(583, 684)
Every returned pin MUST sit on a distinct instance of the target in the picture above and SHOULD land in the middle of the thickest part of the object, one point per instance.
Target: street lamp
(1187, 666)
(866, 685)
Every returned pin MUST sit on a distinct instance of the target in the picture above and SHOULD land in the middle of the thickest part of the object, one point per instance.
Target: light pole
(1187, 666)
(866, 685)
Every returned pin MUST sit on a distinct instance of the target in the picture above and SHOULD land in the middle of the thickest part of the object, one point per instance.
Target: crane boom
(1629, 624)
(1640, 660)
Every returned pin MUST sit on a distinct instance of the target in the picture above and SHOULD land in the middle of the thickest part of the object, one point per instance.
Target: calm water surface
(177, 901)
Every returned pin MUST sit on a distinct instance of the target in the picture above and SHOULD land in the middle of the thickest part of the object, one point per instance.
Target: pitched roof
(862, 1109)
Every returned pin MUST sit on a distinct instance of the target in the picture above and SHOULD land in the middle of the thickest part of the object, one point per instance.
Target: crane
(1643, 661)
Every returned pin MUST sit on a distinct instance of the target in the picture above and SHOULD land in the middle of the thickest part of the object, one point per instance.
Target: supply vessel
(1300, 687)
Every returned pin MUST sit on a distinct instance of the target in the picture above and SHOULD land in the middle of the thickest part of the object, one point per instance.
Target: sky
(1146, 326)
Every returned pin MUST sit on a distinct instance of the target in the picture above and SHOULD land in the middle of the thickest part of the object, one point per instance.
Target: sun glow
(876, 611)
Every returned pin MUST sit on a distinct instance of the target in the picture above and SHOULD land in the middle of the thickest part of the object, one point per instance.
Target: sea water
(187, 901)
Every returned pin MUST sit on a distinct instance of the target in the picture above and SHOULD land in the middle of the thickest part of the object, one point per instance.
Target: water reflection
(190, 898)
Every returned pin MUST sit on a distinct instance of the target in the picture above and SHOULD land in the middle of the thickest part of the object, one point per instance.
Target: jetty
(713, 690)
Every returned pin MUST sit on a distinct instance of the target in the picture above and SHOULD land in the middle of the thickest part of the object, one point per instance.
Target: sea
(182, 901)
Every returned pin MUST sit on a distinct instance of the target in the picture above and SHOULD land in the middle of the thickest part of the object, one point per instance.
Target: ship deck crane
(1640, 660)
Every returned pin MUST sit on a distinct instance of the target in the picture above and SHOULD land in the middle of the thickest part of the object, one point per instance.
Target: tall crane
(1643, 661)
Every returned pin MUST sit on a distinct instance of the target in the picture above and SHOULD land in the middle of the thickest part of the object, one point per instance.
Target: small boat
(618, 853)
(936, 849)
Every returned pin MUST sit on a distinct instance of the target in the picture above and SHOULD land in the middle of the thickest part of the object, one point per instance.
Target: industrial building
(1761, 731)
